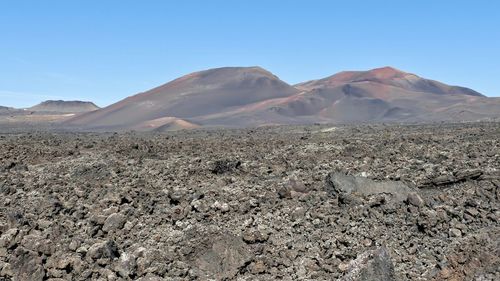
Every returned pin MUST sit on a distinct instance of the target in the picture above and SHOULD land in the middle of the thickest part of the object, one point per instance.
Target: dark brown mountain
(252, 96)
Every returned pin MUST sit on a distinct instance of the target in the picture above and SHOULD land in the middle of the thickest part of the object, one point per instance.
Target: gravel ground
(374, 202)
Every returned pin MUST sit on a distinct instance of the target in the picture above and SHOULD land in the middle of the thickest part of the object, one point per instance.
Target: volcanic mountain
(388, 94)
(191, 97)
(252, 96)
(391, 77)
(60, 106)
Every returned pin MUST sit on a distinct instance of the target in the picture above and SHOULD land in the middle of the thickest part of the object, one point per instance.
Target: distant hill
(59, 106)
(388, 94)
(252, 96)
(389, 76)
(6, 110)
(48, 114)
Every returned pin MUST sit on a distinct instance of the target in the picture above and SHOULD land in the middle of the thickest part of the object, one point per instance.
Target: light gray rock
(455, 232)
(114, 222)
(415, 199)
(27, 265)
(8, 239)
(222, 257)
(38, 244)
(126, 265)
(341, 184)
(105, 249)
(374, 265)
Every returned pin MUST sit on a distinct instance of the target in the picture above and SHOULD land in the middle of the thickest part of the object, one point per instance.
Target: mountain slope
(252, 96)
(391, 77)
(194, 95)
(386, 94)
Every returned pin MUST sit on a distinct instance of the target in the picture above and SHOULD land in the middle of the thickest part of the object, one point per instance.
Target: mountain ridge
(62, 106)
(253, 96)
(199, 93)
(390, 76)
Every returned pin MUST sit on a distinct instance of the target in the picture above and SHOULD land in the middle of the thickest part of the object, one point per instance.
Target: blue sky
(107, 50)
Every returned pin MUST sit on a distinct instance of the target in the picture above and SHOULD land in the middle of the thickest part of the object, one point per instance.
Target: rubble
(271, 203)
(373, 265)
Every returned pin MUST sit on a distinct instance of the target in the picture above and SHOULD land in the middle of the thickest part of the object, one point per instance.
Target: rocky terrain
(372, 202)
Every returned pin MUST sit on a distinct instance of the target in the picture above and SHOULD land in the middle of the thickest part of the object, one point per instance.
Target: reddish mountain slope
(385, 94)
(194, 95)
(391, 77)
(252, 96)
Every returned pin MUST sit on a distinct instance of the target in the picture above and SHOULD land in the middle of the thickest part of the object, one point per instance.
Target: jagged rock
(254, 236)
(225, 166)
(222, 257)
(415, 199)
(455, 232)
(27, 265)
(38, 244)
(220, 206)
(8, 239)
(6, 271)
(296, 186)
(373, 265)
(257, 267)
(468, 174)
(342, 185)
(459, 176)
(114, 222)
(126, 265)
(284, 193)
(107, 250)
(176, 208)
(200, 206)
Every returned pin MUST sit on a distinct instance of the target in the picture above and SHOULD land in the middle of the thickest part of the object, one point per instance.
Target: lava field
(368, 202)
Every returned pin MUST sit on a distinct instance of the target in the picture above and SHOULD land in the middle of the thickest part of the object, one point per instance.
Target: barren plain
(368, 202)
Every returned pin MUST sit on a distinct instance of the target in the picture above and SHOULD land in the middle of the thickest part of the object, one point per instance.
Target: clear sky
(106, 50)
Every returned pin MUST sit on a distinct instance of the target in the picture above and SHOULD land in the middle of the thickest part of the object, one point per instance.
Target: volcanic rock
(222, 258)
(126, 265)
(224, 166)
(342, 185)
(373, 265)
(415, 199)
(27, 265)
(183, 222)
(106, 249)
(113, 222)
